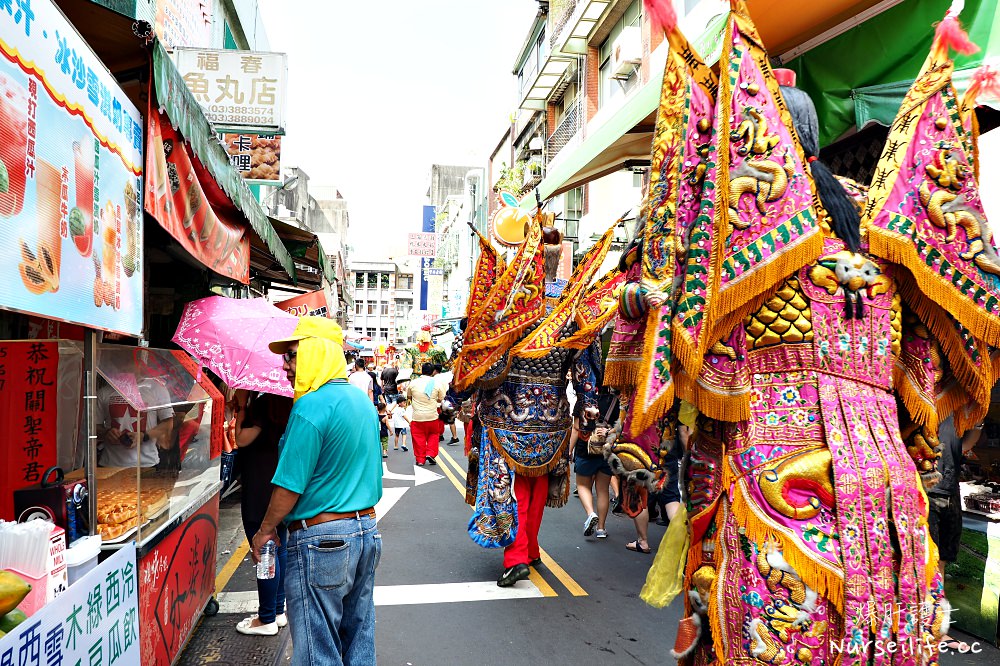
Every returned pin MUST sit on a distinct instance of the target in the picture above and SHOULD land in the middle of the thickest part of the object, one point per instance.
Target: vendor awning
(861, 76)
(306, 250)
(186, 115)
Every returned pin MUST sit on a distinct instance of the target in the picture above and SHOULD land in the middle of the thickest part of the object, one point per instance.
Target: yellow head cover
(320, 356)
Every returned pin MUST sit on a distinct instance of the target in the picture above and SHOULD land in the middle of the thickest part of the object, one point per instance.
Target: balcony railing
(565, 9)
(567, 128)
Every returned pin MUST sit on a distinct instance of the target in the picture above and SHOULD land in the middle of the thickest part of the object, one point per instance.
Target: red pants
(425, 439)
(531, 493)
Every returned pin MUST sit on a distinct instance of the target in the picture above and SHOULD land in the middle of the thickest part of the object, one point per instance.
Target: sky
(380, 91)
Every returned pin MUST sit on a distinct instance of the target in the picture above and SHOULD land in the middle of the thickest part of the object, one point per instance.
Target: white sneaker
(247, 627)
(281, 620)
(599, 534)
(589, 524)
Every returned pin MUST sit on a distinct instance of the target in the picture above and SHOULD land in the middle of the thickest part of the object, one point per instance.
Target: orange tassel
(950, 35)
(661, 14)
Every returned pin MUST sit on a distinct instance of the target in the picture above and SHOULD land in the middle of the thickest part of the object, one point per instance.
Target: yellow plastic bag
(665, 579)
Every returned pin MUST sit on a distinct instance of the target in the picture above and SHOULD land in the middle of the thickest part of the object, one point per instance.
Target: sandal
(636, 548)
(954, 645)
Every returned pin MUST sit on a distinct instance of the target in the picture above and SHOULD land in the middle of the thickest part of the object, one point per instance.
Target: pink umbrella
(230, 337)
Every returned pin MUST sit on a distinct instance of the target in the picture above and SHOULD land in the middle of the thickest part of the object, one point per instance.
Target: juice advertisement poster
(70, 178)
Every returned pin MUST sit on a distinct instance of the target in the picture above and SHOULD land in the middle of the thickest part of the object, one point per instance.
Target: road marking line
(389, 498)
(560, 573)
(443, 593)
(540, 583)
(460, 487)
(458, 468)
(230, 567)
(574, 588)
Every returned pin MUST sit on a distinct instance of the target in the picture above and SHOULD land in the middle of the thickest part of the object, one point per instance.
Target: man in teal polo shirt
(328, 480)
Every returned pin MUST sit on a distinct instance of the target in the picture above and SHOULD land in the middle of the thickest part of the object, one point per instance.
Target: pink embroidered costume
(822, 331)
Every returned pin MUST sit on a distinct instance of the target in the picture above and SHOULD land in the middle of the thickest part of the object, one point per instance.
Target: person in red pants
(519, 457)
(425, 395)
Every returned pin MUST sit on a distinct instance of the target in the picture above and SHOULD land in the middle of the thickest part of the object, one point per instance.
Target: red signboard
(177, 578)
(312, 304)
(177, 198)
(28, 411)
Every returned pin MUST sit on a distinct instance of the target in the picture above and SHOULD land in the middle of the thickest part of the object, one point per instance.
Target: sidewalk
(215, 640)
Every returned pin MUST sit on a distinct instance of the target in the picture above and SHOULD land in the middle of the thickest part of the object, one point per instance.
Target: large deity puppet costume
(821, 331)
(528, 334)
(423, 351)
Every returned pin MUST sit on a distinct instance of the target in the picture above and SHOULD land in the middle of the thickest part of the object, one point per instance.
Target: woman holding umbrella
(257, 435)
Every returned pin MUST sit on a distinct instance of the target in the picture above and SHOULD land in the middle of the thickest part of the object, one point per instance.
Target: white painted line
(389, 498)
(406, 595)
(238, 602)
(419, 477)
(444, 593)
(422, 476)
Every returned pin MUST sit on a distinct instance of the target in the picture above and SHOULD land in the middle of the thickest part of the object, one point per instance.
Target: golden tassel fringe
(891, 247)
(922, 412)
(719, 406)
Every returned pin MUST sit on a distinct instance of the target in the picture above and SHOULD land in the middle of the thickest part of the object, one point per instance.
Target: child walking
(383, 429)
(401, 415)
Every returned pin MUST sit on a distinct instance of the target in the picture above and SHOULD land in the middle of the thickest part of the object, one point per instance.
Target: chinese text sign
(95, 621)
(70, 177)
(236, 88)
(255, 156)
(28, 413)
(422, 244)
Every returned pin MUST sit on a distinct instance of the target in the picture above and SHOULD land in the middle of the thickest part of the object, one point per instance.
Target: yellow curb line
(571, 585)
(230, 568)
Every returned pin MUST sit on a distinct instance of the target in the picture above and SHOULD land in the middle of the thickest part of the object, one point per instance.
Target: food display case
(157, 462)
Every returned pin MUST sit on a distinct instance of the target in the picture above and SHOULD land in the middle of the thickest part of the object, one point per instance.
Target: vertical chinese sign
(28, 414)
(237, 89)
(180, 574)
(95, 622)
(70, 177)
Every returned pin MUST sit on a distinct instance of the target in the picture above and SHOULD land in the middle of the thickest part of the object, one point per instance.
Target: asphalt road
(436, 595)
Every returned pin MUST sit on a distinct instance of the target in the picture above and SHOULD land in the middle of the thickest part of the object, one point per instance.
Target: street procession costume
(423, 351)
(819, 353)
(526, 333)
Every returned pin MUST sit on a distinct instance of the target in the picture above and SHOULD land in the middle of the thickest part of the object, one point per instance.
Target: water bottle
(265, 567)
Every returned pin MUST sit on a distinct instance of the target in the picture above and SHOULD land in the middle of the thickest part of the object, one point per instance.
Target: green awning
(627, 135)
(872, 64)
(879, 104)
(185, 113)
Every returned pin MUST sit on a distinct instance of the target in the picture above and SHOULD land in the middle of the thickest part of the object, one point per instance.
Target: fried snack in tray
(117, 510)
(113, 531)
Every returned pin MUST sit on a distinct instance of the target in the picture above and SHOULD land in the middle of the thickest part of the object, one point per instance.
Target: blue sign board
(425, 263)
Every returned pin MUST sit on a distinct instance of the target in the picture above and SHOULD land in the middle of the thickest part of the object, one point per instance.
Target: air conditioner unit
(626, 52)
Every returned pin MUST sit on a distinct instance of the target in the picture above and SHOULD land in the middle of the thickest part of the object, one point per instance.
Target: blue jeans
(329, 587)
(270, 592)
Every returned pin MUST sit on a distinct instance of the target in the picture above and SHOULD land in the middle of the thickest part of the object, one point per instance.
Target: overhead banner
(95, 621)
(312, 304)
(255, 156)
(70, 178)
(177, 199)
(236, 88)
